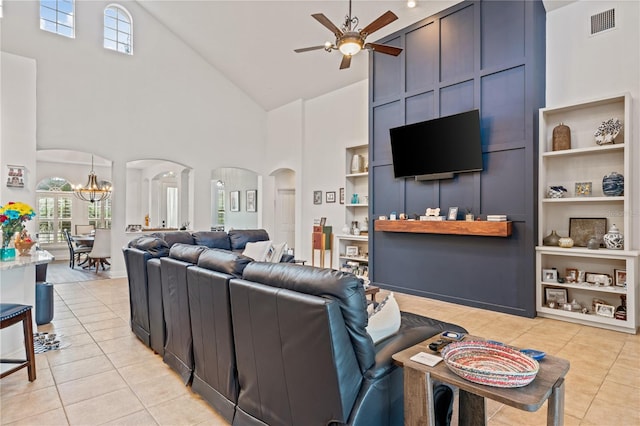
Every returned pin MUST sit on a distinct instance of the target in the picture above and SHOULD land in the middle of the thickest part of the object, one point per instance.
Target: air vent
(603, 21)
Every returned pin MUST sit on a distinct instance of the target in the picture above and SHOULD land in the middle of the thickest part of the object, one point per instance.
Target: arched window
(118, 29)
(54, 197)
(58, 16)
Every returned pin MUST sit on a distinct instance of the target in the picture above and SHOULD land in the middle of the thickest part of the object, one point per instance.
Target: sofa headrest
(156, 247)
(343, 287)
(224, 261)
(174, 237)
(186, 252)
(212, 239)
(240, 237)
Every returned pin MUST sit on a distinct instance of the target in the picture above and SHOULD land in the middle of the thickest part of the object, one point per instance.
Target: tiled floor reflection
(104, 375)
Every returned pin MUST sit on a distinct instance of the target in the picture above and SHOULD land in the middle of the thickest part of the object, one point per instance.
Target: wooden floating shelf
(452, 227)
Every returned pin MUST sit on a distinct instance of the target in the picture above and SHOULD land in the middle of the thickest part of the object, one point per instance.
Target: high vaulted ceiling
(251, 42)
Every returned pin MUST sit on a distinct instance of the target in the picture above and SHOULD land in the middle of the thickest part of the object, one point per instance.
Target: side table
(548, 385)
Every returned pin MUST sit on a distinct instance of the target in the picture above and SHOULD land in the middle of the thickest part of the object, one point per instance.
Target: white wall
(583, 67)
(164, 102)
(18, 128)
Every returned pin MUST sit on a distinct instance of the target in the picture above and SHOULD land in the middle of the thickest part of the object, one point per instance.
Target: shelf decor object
(613, 185)
(608, 131)
(561, 137)
(490, 364)
(613, 239)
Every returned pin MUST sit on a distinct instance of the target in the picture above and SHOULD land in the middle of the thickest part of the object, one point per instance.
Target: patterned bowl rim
(454, 350)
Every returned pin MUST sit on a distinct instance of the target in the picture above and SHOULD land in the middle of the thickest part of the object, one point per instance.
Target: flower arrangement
(12, 218)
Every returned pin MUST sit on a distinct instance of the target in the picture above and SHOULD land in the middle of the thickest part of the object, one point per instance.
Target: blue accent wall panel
(486, 55)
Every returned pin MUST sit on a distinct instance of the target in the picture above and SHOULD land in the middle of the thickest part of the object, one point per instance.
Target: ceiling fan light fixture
(350, 44)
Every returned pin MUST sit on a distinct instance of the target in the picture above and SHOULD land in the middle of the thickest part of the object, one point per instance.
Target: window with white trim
(118, 29)
(58, 16)
(54, 197)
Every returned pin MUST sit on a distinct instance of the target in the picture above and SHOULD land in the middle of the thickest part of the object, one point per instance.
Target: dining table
(84, 240)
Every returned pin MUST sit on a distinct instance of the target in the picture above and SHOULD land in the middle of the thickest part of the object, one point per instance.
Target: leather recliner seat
(303, 354)
(215, 373)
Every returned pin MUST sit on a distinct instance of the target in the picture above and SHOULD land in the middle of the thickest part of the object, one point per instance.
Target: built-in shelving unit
(453, 227)
(356, 210)
(586, 161)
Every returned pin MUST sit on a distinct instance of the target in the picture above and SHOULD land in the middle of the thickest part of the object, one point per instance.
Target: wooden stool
(13, 313)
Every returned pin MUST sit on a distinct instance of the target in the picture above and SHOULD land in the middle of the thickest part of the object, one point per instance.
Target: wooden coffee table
(548, 385)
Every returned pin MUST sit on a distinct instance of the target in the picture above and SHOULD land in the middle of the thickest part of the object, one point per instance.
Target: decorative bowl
(24, 247)
(490, 364)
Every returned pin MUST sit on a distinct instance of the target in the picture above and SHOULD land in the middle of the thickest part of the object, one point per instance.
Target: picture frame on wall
(234, 201)
(15, 176)
(251, 200)
(317, 197)
(331, 196)
(341, 195)
(581, 229)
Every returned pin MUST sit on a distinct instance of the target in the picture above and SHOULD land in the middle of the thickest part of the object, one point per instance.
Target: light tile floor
(104, 375)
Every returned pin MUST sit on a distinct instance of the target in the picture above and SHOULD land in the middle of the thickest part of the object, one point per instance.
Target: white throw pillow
(385, 320)
(257, 251)
(275, 252)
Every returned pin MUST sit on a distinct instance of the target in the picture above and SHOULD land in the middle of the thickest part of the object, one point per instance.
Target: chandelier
(93, 191)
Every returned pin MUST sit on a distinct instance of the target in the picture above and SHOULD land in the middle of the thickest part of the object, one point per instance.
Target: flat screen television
(438, 148)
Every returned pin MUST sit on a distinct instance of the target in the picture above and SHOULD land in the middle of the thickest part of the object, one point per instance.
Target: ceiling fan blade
(383, 48)
(386, 18)
(307, 49)
(346, 62)
(327, 23)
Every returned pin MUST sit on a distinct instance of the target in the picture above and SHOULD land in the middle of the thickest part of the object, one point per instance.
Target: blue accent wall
(488, 55)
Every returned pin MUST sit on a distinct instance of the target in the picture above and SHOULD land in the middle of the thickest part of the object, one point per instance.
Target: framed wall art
(341, 195)
(234, 201)
(15, 176)
(317, 197)
(331, 196)
(251, 200)
(581, 229)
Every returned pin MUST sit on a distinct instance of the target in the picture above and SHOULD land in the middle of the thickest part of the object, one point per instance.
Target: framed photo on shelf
(234, 201)
(550, 275)
(571, 275)
(453, 213)
(620, 277)
(556, 295)
(317, 197)
(583, 189)
(351, 251)
(605, 310)
(331, 196)
(341, 195)
(251, 200)
(581, 229)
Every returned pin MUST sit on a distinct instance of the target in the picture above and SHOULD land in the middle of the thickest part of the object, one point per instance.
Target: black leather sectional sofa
(270, 343)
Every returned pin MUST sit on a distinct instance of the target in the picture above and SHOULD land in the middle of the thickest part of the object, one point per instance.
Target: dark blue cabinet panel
(421, 195)
(385, 117)
(393, 190)
(458, 192)
(422, 57)
(503, 107)
(420, 108)
(457, 44)
(502, 32)
(456, 98)
(504, 185)
(386, 71)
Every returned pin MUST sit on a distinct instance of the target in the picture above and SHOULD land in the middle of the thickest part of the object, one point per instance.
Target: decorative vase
(556, 191)
(565, 242)
(551, 239)
(24, 247)
(355, 199)
(613, 185)
(7, 254)
(593, 244)
(613, 239)
(561, 137)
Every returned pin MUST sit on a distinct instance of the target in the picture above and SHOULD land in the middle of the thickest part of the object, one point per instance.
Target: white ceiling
(251, 42)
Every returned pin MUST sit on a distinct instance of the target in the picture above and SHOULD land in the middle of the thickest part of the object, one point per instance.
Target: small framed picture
(571, 275)
(583, 189)
(317, 197)
(605, 310)
(352, 251)
(620, 277)
(331, 196)
(453, 213)
(556, 295)
(234, 201)
(251, 200)
(341, 195)
(15, 176)
(550, 275)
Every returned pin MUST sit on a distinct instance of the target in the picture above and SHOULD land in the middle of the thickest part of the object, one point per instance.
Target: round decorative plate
(490, 364)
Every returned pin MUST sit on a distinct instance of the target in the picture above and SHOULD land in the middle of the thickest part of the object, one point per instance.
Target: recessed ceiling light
(411, 3)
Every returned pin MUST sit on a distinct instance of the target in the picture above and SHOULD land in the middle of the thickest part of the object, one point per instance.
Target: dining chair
(75, 253)
(85, 229)
(101, 250)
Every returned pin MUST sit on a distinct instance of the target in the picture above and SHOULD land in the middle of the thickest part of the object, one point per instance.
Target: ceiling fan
(350, 41)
